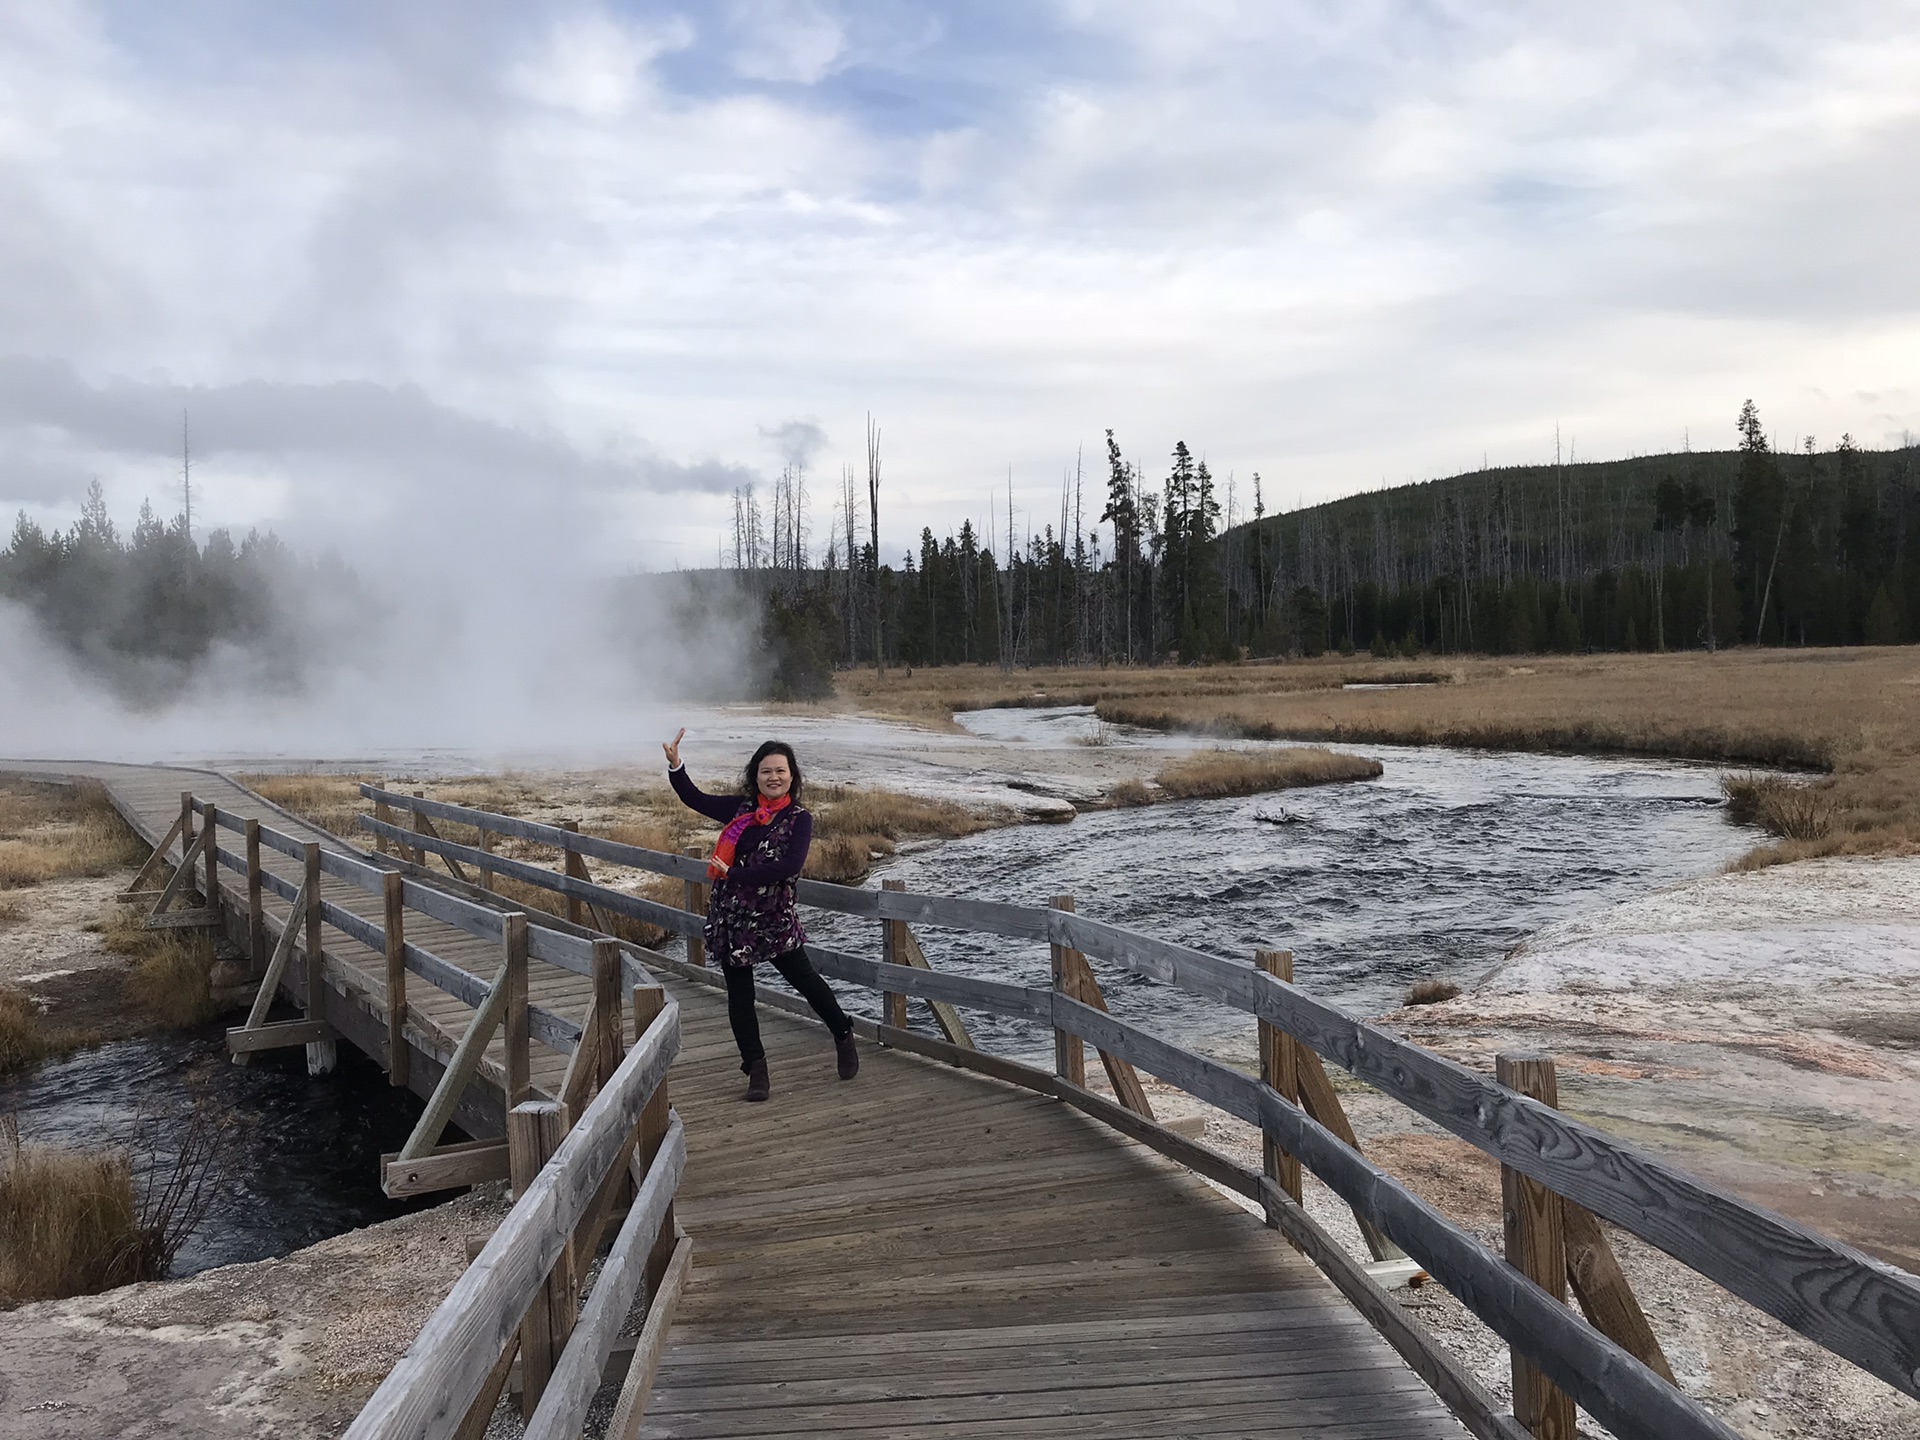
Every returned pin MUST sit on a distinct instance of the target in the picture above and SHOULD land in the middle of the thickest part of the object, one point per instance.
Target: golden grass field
(53, 832)
(1852, 715)
(68, 1221)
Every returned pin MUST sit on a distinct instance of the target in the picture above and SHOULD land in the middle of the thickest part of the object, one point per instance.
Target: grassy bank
(1218, 774)
(1852, 714)
(56, 832)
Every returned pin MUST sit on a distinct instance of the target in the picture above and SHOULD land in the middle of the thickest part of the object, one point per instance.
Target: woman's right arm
(718, 808)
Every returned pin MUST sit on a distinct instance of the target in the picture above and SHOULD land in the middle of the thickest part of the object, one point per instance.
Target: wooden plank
(1204, 1079)
(1069, 1055)
(575, 866)
(694, 899)
(394, 934)
(513, 942)
(155, 859)
(1536, 1247)
(893, 1003)
(1321, 1101)
(648, 1002)
(270, 984)
(1617, 1390)
(425, 826)
(210, 887)
(429, 1389)
(1605, 1297)
(472, 1162)
(459, 1073)
(256, 911)
(181, 877)
(578, 1375)
(200, 918)
(246, 1039)
(1082, 985)
(937, 986)
(1279, 1070)
(630, 1409)
(951, 1026)
(535, 1130)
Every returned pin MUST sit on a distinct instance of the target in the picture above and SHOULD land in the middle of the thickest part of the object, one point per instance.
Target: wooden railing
(1558, 1173)
(608, 1139)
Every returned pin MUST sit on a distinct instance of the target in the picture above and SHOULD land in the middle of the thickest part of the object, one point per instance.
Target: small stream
(1436, 869)
(300, 1158)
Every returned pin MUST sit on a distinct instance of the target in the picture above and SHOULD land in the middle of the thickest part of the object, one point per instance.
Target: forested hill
(1745, 546)
(1657, 552)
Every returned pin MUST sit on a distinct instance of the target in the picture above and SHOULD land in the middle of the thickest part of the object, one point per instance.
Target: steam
(467, 588)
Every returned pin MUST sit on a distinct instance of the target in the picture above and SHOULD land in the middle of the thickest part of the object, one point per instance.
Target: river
(1434, 870)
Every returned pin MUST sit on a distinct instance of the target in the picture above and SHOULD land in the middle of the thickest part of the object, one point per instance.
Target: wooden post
(187, 830)
(399, 1057)
(610, 1046)
(486, 874)
(576, 868)
(1280, 1068)
(696, 904)
(1536, 1247)
(648, 1002)
(535, 1129)
(322, 1055)
(893, 947)
(418, 822)
(256, 914)
(1069, 1054)
(383, 811)
(519, 1077)
(210, 817)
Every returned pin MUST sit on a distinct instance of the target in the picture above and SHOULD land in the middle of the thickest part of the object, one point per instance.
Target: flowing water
(1434, 870)
(299, 1157)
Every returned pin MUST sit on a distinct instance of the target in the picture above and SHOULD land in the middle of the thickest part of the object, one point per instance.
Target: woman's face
(774, 777)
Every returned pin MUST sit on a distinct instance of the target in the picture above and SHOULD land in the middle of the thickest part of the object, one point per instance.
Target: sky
(534, 287)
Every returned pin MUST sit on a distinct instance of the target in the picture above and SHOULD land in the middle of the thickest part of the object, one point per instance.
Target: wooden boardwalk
(922, 1252)
(148, 797)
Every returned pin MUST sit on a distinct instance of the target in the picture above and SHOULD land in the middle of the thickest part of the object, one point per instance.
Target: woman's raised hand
(672, 747)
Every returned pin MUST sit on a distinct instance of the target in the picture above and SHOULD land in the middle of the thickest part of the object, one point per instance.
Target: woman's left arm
(788, 866)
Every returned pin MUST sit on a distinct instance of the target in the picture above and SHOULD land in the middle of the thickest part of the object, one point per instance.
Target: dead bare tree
(873, 529)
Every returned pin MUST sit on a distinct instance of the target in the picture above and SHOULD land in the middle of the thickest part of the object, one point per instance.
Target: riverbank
(1853, 714)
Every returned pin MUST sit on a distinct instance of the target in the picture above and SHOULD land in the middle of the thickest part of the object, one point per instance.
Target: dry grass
(1853, 713)
(1431, 992)
(26, 1039)
(169, 982)
(12, 912)
(330, 801)
(53, 832)
(852, 826)
(68, 1222)
(1220, 773)
(1791, 809)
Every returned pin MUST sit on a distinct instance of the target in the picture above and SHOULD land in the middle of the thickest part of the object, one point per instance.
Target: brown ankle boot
(849, 1057)
(758, 1086)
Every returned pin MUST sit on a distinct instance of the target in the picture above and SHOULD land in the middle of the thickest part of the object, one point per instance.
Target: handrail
(1860, 1308)
(553, 1030)
(430, 1390)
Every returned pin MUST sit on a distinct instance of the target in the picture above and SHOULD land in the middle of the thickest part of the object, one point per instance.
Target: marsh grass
(1852, 713)
(69, 1224)
(57, 832)
(26, 1038)
(12, 912)
(1222, 773)
(330, 801)
(852, 825)
(169, 981)
(1790, 809)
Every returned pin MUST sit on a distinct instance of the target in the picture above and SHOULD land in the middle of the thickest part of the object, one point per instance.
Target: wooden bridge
(956, 1244)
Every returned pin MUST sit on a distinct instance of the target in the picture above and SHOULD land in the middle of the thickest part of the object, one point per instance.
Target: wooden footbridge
(957, 1243)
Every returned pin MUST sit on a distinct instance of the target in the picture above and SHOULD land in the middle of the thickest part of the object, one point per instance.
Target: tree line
(140, 609)
(1753, 545)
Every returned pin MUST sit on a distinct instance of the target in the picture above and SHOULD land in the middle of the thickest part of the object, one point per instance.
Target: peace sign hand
(672, 747)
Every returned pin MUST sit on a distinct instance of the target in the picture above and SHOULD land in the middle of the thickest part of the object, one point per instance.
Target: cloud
(580, 252)
(796, 441)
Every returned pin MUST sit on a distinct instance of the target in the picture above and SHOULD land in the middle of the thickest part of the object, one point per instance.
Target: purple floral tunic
(752, 916)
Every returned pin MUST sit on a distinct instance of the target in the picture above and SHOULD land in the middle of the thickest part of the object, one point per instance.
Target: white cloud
(1335, 244)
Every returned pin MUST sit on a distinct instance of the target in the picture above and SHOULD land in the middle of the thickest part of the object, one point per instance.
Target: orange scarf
(761, 814)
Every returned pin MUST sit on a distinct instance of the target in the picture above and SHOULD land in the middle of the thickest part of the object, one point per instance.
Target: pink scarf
(761, 814)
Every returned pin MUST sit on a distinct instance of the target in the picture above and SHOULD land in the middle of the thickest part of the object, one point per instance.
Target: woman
(751, 916)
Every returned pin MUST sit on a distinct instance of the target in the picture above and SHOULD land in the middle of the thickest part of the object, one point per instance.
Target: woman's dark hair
(751, 784)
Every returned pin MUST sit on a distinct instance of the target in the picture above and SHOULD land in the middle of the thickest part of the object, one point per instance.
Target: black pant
(797, 971)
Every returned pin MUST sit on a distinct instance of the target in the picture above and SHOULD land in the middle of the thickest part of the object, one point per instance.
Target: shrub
(68, 1222)
(170, 981)
(1778, 805)
(26, 1039)
(1431, 992)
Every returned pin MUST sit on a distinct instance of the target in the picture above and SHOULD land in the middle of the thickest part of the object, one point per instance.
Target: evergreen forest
(1749, 546)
